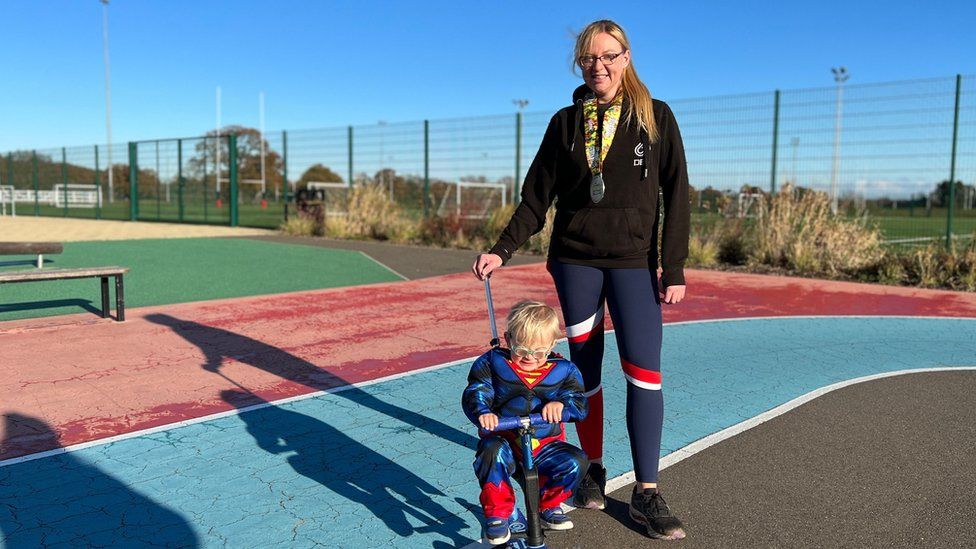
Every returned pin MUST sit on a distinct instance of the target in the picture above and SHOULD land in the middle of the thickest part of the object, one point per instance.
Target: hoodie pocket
(605, 232)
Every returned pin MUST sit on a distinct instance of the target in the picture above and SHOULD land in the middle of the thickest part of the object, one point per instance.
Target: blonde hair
(532, 320)
(640, 106)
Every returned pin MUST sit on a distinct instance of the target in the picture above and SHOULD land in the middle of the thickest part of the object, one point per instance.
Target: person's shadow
(217, 343)
(63, 500)
(323, 453)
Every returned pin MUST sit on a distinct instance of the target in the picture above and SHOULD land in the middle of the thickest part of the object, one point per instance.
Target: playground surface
(331, 416)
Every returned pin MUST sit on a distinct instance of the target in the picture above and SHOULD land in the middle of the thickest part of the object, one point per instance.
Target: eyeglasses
(587, 61)
(524, 352)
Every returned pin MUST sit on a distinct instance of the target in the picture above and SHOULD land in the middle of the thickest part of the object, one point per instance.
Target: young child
(525, 378)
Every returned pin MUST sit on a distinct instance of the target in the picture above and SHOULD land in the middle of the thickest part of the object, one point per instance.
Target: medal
(598, 143)
(597, 188)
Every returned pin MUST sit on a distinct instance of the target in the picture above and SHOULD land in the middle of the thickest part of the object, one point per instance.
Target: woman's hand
(553, 412)
(488, 422)
(673, 294)
(485, 264)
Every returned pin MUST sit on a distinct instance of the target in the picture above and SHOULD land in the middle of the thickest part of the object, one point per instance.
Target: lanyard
(598, 145)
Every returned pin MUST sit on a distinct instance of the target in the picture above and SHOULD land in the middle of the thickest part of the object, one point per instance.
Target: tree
(318, 173)
(248, 157)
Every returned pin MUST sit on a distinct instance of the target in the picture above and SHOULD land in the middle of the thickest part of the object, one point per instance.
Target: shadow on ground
(65, 501)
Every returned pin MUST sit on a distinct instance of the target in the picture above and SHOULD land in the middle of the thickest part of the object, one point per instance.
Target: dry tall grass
(798, 232)
(371, 214)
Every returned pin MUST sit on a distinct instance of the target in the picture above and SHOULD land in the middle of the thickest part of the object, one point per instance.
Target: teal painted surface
(389, 464)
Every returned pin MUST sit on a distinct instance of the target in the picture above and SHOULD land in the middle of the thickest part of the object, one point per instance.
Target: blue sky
(325, 64)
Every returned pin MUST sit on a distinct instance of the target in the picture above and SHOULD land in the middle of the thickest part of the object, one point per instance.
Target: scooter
(525, 425)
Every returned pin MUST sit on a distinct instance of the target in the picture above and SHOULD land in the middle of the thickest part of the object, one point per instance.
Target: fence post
(64, 178)
(426, 168)
(98, 188)
(284, 164)
(232, 159)
(772, 175)
(952, 163)
(179, 176)
(133, 181)
(349, 184)
(37, 204)
(516, 193)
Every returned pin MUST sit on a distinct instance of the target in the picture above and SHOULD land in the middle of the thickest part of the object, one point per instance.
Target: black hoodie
(621, 230)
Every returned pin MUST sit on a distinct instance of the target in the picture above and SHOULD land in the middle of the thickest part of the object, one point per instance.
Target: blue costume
(497, 386)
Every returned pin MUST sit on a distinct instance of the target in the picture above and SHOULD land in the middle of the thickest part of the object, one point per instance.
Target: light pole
(108, 100)
(840, 76)
(521, 104)
(383, 180)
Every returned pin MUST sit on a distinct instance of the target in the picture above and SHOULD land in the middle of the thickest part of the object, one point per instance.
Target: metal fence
(886, 151)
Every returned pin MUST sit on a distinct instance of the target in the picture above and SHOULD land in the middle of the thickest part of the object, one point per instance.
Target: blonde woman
(603, 161)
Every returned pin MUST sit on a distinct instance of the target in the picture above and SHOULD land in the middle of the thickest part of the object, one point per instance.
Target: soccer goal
(7, 200)
(77, 195)
(469, 200)
(334, 194)
(749, 205)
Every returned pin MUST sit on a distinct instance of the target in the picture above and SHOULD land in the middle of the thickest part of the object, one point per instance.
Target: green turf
(167, 271)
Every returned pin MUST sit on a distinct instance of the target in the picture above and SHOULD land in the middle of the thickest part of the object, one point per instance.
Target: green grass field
(249, 215)
(181, 270)
(894, 224)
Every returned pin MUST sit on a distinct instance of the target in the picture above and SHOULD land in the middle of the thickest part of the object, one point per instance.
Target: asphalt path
(886, 463)
(412, 262)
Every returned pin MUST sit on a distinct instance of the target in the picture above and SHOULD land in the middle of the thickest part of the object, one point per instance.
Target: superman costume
(497, 386)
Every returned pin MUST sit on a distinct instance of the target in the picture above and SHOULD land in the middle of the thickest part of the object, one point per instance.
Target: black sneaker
(649, 508)
(591, 492)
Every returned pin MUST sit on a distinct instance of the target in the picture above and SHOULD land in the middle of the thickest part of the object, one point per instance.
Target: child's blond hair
(532, 321)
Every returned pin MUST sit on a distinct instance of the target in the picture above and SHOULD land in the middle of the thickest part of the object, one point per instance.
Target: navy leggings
(635, 308)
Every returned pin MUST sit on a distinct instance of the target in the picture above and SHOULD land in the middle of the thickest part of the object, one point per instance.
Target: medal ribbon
(596, 148)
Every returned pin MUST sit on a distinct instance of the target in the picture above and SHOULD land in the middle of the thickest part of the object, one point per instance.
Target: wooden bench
(31, 248)
(104, 273)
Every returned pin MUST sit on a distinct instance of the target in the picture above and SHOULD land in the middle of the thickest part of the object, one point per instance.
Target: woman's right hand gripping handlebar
(484, 264)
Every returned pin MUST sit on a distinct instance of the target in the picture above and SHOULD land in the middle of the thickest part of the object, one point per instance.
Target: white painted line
(201, 419)
(228, 413)
(385, 266)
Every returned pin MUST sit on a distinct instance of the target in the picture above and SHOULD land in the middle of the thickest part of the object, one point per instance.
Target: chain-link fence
(886, 152)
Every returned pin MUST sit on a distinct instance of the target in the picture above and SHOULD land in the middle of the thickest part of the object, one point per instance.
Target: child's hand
(553, 412)
(488, 421)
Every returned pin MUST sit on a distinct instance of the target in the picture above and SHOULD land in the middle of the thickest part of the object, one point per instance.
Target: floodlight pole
(520, 104)
(840, 76)
(383, 180)
(217, 140)
(261, 108)
(108, 99)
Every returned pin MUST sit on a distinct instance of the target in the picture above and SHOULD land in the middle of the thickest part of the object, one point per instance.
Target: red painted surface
(89, 378)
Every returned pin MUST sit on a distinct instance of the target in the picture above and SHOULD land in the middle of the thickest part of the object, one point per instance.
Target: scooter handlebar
(509, 423)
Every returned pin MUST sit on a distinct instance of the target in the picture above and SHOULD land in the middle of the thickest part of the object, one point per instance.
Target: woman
(603, 161)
